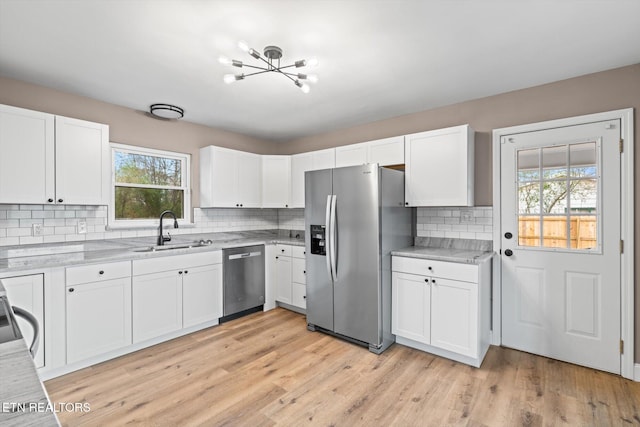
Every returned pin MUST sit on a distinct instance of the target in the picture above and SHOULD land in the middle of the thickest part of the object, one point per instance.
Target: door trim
(626, 222)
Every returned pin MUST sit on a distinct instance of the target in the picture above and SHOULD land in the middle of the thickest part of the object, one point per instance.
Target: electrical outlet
(82, 226)
(466, 216)
(36, 229)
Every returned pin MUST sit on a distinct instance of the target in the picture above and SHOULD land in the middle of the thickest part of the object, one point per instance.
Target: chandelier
(271, 59)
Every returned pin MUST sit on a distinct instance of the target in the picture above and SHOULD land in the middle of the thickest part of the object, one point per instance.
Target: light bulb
(224, 60)
(312, 62)
(254, 53)
(304, 88)
(312, 78)
(229, 78)
(243, 46)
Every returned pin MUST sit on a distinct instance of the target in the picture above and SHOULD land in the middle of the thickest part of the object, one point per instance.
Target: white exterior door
(560, 231)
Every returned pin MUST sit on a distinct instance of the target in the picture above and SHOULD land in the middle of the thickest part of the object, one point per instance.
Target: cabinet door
(82, 162)
(157, 304)
(323, 159)
(249, 178)
(98, 318)
(454, 316)
(439, 167)
(283, 279)
(300, 163)
(388, 151)
(201, 294)
(27, 292)
(410, 307)
(26, 156)
(218, 177)
(276, 181)
(351, 155)
(299, 295)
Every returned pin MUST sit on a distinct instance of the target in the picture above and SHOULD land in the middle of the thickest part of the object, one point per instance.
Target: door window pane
(558, 196)
(554, 162)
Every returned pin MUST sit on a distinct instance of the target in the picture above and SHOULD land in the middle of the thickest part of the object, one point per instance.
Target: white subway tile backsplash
(438, 222)
(60, 222)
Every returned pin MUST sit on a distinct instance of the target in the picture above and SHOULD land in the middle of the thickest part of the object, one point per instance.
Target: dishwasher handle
(245, 255)
(33, 349)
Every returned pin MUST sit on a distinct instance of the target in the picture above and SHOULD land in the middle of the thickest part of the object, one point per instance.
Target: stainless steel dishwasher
(243, 281)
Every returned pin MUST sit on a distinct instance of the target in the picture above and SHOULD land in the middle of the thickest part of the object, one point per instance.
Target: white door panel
(560, 227)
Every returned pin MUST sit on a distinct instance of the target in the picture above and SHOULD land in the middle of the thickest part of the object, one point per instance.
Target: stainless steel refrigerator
(354, 218)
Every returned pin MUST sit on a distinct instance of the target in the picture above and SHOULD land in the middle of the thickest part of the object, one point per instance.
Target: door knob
(508, 235)
(508, 252)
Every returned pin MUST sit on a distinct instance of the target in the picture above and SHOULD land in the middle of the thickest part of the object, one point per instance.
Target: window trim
(185, 158)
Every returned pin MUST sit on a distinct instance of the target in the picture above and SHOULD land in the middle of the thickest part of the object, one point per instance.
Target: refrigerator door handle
(334, 238)
(328, 235)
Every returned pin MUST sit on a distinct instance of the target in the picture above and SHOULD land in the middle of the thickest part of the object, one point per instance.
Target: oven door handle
(33, 349)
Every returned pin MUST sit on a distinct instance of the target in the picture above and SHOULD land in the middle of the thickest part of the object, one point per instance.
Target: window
(558, 196)
(147, 182)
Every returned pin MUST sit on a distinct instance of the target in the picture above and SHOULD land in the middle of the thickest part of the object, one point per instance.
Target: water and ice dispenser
(318, 240)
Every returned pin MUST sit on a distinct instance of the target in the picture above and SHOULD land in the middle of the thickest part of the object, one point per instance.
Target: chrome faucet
(161, 238)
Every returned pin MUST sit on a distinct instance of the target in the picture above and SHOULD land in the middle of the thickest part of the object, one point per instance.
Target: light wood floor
(267, 369)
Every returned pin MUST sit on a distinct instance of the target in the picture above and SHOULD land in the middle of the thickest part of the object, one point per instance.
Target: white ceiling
(378, 59)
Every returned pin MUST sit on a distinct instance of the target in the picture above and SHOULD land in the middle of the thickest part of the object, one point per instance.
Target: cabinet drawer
(298, 272)
(176, 262)
(283, 250)
(298, 251)
(427, 267)
(98, 272)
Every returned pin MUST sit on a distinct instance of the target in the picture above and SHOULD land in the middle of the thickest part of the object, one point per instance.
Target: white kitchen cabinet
(175, 292)
(351, 155)
(157, 304)
(411, 307)
(27, 173)
(385, 152)
(98, 309)
(83, 163)
(442, 307)
(47, 159)
(27, 292)
(454, 316)
(298, 277)
(439, 167)
(276, 181)
(98, 318)
(201, 294)
(301, 163)
(283, 278)
(230, 178)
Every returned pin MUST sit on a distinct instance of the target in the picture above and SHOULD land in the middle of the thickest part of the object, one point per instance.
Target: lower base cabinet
(175, 292)
(157, 304)
(289, 275)
(442, 307)
(98, 318)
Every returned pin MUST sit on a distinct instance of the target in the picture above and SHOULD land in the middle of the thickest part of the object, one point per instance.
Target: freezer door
(319, 286)
(357, 304)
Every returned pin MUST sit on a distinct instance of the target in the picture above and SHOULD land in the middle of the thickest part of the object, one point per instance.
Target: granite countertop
(28, 257)
(452, 250)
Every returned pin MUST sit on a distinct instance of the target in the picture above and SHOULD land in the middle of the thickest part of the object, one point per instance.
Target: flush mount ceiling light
(166, 111)
(272, 55)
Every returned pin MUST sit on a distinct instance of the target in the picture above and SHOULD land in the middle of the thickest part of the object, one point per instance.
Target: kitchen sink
(159, 248)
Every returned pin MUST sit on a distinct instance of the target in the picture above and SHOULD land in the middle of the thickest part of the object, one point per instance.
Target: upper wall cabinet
(230, 178)
(301, 163)
(386, 152)
(276, 181)
(439, 167)
(52, 159)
